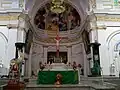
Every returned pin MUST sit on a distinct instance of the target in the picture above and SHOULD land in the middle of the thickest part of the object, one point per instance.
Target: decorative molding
(107, 18)
(4, 37)
(92, 4)
(7, 18)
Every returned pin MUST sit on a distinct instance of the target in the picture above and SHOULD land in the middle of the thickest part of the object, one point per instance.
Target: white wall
(107, 51)
(7, 49)
(37, 56)
(77, 54)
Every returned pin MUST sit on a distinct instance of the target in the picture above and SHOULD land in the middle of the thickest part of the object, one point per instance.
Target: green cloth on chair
(49, 77)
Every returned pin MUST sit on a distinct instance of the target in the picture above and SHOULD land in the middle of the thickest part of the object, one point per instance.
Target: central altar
(49, 77)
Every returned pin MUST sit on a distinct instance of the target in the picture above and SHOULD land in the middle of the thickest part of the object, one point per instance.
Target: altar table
(49, 77)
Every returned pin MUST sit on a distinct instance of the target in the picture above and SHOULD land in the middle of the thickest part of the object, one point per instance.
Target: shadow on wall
(28, 41)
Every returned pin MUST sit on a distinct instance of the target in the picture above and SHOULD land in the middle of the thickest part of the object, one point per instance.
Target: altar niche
(52, 58)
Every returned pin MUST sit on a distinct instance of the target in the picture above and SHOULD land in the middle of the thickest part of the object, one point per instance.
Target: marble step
(68, 87)
(99, 78)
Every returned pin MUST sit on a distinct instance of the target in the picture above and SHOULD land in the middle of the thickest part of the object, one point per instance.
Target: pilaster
(85, 61)
(45, 50)
(29, 61)
(69, 54)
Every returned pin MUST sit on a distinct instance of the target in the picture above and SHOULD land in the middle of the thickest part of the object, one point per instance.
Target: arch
(4, 37)
(111, 36)
(4, 46)
(116, 46)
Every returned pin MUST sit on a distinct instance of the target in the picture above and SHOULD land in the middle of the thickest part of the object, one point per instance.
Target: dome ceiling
(48, 20)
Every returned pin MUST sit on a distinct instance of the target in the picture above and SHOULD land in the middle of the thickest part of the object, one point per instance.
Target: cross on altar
(57, 39)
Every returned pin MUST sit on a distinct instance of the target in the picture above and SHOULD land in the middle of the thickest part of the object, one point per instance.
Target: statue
(41, 66)
(14, 71)
(57, 39)
(74, 65)
(112, 69)
(16, 65)
(58, 79)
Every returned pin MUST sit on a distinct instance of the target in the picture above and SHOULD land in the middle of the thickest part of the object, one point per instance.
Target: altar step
(68, 87)
(84, 85)
(106, 78)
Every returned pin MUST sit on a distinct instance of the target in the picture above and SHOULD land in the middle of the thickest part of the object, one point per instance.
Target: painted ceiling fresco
(45, 19)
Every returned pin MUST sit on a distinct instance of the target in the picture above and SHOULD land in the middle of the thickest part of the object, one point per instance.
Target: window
(116, 3)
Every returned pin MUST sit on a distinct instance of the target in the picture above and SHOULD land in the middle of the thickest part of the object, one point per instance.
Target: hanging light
(57, 8)
(57, 2)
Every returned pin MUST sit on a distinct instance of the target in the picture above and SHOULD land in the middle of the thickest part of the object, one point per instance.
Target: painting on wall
(28, 41)
(67, 20)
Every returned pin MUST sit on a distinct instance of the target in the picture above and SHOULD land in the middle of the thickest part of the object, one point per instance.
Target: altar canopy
(49, 77)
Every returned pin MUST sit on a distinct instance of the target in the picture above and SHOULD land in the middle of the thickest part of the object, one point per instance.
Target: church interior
(59, 41)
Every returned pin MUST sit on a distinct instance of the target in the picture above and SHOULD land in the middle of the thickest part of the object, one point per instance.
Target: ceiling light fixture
(57, 6)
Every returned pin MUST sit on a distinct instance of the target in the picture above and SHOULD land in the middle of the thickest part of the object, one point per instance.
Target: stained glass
(116, 3)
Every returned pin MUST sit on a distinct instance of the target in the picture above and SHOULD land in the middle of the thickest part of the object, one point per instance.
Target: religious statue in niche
(68, 20)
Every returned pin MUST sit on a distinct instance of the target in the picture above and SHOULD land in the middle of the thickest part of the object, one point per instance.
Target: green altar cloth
(49, 77)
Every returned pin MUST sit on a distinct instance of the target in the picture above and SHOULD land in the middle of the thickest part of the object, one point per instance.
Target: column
(69, 54)
(85, 61)
(45, 48)
(96, 68)
(91, 61)
(29, 62)
(26, 65)
(20, 35)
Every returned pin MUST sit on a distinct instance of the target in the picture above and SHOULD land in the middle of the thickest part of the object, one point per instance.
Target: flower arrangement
(42, 66)
(74, 65)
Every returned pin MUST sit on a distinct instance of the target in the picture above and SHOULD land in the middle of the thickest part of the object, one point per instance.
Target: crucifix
(57, 39)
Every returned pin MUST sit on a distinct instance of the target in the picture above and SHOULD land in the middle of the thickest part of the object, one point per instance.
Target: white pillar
(23, 68)
(29, 62)
(26, 65)
(91, 61)
(69, 54)
(45, 48)
(85, 61)
(20, 35)
(93, 36)
(23, 63)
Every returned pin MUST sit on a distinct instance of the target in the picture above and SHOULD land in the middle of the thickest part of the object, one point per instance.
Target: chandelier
(57, 9)
(57, 2)
(57, 6)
